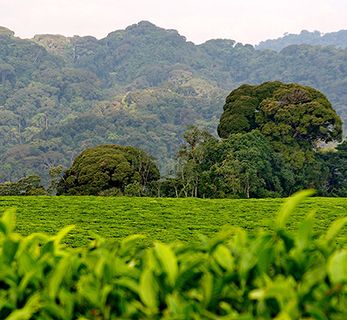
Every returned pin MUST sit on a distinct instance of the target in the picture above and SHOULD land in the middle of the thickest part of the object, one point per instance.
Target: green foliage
(190, 160)
(6, 32)
(295, 120)
(335, 165)
(161, 219)
(249, 167)
(106, 167)
(28, 186)
(55, 174)
(133, 189)
(61, 95)
(285, 113)
(276, 274)
(244, 165)
(337, 39)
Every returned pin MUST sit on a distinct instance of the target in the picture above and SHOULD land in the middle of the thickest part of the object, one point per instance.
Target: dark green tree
(61, 95)
(27, 186)
(190, 158)
(55, 174)
(295, 119)
(244, 165)
(336, 172)
(249, 167)
(109, 170)
(289, 114)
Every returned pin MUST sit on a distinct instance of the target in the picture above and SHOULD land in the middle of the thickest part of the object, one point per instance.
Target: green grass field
(158, 218)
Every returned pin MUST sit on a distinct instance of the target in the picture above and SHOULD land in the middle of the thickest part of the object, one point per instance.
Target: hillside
(141, 86)
(336, 39)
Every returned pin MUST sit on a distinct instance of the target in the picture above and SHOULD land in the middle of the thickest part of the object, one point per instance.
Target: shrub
(277, 274)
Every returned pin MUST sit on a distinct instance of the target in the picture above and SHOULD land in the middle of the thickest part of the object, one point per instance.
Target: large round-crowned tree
(109, 169)
(289, 114)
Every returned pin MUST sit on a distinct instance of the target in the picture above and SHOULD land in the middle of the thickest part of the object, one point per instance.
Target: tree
(244, 165)
(295, 119)
(249, 167)
(55, 174)
(109, 169)
(27, 186)
(61, 94)
(285, 113)
(190, 158)
(336, 171)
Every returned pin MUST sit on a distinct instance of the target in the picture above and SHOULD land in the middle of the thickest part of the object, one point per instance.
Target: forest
(151, 144)
(274, 139)
(337, 39)
(143, 86)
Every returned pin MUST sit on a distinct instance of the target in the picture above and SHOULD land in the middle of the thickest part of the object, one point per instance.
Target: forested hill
(337, 39)
(141, 86)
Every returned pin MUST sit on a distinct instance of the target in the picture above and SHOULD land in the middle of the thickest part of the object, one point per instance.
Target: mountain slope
(140, 86)
(336, 39)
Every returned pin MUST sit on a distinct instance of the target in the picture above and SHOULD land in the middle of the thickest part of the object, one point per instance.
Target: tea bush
(163, 219)
(277, 274)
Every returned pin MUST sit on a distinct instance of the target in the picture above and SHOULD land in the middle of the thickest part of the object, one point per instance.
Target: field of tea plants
(159, 218)
(274, 274)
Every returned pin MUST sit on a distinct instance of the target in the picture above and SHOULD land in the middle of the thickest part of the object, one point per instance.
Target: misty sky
(247, 21)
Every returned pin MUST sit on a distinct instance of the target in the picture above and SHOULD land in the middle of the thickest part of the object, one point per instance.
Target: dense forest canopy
(142, 86)
(337, 39)
(272, 144)
(286, 113)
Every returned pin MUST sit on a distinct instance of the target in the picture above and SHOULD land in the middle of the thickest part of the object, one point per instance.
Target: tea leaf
(148, 289)
(62, 233)
(57, 276)
(224, 258)
(28, 310)
(334, 229)
(130, 241)
(337, 267)
(289, 205)
(168, 260)
(8, 221)
(207, 286)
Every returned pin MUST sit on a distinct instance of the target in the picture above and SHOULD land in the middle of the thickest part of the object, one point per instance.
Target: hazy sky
(243, 20)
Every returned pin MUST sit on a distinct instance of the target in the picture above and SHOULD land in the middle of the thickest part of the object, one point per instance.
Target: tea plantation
(235, 275)
(159, 218)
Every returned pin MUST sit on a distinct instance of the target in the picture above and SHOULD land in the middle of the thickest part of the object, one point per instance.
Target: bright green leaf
(337, 267)
(289, 206)
(168, 260)
(148, 289)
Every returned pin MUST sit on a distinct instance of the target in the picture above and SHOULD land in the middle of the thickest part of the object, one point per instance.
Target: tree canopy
(337, 39)
(141, 86)
(335, 171)
(109, 170)
(286, 113)
(271, 146)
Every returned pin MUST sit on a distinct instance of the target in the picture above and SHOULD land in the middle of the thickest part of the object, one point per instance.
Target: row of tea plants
(277, 274)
